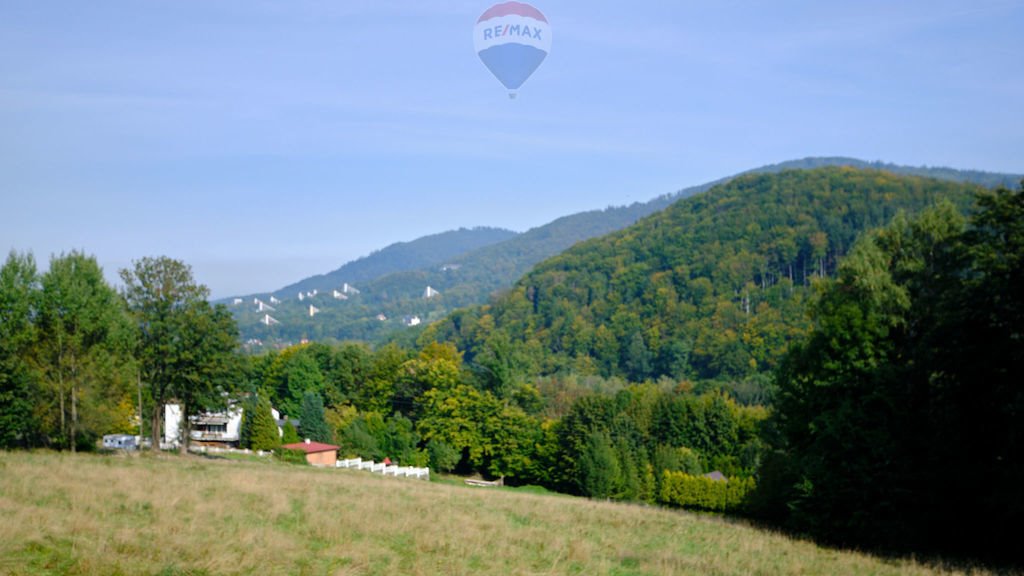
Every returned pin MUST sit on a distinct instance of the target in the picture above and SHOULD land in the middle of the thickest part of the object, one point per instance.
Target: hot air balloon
(512, 39)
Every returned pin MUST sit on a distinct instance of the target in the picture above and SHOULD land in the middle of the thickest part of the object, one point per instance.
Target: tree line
(78, 359)
(899, 421)
(430, 408)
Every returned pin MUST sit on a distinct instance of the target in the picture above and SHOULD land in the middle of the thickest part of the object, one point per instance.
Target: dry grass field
(167, 515)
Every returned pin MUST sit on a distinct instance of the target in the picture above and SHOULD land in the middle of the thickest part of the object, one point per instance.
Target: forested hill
(714, 286)
(430, 250)
(392, 281)
(472, 277)
(384, 303)
(433, 250)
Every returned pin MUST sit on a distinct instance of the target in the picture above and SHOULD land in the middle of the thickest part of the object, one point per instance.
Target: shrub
(291, 456)
(703, 493)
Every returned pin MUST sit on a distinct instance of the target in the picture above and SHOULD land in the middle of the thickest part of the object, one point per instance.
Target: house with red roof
(317, 453)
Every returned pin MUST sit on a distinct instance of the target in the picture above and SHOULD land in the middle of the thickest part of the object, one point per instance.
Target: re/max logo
(512, 30)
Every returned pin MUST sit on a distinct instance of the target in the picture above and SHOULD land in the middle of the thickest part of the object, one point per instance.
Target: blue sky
(263, 141)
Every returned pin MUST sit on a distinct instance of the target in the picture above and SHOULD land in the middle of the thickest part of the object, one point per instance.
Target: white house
(215, 428)
(210, 428)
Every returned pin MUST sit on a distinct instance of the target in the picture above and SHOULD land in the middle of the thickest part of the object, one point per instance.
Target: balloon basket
(512, 95)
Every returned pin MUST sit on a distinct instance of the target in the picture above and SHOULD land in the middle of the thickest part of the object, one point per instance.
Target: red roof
(311, 447)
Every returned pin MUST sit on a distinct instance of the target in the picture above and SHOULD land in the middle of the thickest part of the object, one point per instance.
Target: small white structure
(347, 288)
(274, 300)
(301, 296)
(313, 310)
(120, 442)
(172, 424)
(339, 295)
(236, 301)
(411, 320)
(264, 307)
(430, 293)
(382, 317)
(268, 320)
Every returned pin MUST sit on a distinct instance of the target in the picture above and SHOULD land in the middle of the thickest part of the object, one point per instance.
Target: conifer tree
(290, 434)
(262, 427)
(311, 419)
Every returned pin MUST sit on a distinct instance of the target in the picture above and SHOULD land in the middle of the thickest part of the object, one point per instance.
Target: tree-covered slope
(433, 250)
(714, 286)
(392, 284)
(462, 280)
(472, 277)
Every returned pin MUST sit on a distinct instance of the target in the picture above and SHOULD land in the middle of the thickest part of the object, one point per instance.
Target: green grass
(116, 514)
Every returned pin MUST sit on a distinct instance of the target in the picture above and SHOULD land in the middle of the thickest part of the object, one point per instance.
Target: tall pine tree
(311, 419)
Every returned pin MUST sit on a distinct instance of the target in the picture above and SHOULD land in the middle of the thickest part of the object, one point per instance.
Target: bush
(703, 493)
(443, 457)
(291, 456)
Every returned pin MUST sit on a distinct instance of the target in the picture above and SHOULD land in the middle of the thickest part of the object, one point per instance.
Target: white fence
(218, 450)
(354, 463)
(385, 469)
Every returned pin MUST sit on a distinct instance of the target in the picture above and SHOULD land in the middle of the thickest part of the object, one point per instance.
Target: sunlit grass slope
(88, 514)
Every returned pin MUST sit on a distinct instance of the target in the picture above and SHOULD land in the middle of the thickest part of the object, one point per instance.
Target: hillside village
(343, 294)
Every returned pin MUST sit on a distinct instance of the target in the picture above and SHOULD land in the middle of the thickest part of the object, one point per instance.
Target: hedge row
(703, 493)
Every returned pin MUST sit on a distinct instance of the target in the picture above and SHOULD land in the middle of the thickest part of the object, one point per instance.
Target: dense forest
(835, 351)
(898, 421)
(714, 287)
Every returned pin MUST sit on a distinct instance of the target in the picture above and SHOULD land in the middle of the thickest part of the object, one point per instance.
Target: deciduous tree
(18, 292)
(84, 342)
(159, 292)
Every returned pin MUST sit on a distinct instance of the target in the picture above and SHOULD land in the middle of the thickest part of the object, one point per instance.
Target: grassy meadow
(167, 515)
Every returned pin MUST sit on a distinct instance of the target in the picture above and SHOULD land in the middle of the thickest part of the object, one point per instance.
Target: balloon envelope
(512, 39)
